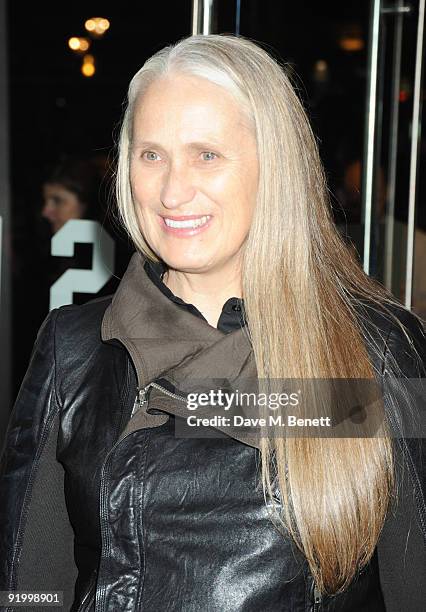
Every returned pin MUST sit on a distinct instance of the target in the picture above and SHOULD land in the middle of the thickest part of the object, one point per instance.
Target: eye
(150, 155)
(209, 153)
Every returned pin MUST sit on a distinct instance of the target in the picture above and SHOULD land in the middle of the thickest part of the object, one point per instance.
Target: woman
(238, 271)
(71, 191)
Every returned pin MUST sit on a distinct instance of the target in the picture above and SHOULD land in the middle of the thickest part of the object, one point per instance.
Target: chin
(185, 263)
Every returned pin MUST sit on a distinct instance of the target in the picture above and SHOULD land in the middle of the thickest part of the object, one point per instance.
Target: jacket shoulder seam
(56, 312)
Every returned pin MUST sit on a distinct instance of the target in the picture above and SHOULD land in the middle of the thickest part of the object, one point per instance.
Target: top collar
(231, 316)
(167, 341)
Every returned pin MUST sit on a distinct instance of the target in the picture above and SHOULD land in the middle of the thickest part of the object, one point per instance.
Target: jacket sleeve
(36, 538)
(402, 544)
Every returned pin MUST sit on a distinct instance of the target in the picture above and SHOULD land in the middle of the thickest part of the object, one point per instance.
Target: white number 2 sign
(84, 281)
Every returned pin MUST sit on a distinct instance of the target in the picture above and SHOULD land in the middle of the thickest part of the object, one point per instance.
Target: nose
(177, 188)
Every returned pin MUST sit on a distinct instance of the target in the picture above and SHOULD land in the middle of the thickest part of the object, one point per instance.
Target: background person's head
(71, 191)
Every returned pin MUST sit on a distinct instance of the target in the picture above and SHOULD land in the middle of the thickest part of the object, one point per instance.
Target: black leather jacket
(130, 517)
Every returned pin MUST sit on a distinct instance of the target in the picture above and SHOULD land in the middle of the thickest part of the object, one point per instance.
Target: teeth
(187, 223)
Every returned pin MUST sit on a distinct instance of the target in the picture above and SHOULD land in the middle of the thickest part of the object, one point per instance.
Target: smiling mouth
(187, 223)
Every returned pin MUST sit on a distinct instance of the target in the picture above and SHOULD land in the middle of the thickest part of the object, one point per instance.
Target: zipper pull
(317, 598)
(140, 399)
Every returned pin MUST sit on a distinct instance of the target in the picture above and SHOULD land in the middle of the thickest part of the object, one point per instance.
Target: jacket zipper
(316, 597)
(142, 392)
(140, 400)
(103, 511)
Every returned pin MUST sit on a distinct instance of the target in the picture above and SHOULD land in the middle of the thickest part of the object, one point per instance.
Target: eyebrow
(205, 144)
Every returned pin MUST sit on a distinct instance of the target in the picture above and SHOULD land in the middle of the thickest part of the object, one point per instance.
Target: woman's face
(60, 205)
(193, 173)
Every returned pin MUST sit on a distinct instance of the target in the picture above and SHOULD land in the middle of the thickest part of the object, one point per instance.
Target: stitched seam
(142, 524)
(124, 396)
(58, 401)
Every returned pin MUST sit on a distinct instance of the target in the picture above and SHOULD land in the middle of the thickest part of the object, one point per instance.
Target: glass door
(360, 68)
(394, 190)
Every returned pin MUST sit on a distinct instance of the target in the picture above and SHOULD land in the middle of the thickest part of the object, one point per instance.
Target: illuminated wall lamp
(78, 44)
(97, 26)
(351, 43)
(88, 67)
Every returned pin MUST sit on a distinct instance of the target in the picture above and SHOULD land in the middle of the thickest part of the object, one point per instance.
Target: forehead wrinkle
(192, 115)
(192, 126)
(200, 139)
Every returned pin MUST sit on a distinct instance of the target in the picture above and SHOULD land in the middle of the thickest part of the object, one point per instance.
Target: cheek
(143, 187)
(141, 195)
(61, 212)
(243, 202)
(250, 189)
(147, 222)
(140, 215)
